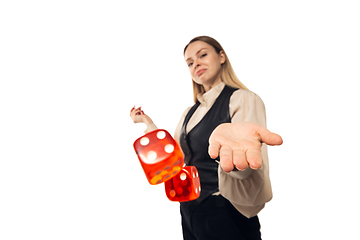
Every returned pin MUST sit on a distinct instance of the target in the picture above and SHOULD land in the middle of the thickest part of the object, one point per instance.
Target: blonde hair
(227, 72)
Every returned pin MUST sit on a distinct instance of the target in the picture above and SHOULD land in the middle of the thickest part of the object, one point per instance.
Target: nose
(196, 64)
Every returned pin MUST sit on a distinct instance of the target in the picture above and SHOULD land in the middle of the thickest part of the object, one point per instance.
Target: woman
(228, 123)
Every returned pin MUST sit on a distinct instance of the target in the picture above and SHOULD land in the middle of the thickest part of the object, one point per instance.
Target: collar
(210, 96)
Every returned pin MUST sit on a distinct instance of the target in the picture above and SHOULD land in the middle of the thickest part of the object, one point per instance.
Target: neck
(210, 86)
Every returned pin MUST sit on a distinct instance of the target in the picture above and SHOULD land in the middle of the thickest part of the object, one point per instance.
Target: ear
(222, 57)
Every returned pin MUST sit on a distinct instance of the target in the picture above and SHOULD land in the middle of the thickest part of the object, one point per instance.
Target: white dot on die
(144, 141)
(183, 176)
(193, 175)
(151, 155)
(169, 148)
(161, 135)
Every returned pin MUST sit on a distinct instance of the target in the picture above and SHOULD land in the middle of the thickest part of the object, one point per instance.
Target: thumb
(269, 138)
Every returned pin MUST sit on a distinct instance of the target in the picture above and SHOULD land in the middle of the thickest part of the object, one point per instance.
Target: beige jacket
(248, 190)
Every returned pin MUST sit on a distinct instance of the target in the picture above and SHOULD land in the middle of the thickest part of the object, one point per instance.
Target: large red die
(185, 186)
(160, 156)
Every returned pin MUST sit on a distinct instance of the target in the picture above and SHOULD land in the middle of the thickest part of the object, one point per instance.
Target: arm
(138, 116)
(240, 146)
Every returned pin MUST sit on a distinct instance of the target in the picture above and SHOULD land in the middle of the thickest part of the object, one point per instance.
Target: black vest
(195, 144)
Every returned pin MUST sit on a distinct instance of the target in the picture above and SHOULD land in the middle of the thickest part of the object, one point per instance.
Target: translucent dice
(160, 156)
(185, 186)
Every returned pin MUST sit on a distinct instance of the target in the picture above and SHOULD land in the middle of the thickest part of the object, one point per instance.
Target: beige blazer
(248, 190)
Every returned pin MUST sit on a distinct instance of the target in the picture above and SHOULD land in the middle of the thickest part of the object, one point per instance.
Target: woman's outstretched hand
(239, 144)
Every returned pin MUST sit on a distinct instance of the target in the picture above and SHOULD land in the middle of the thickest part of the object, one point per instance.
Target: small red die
(160, 156)
(185, 186)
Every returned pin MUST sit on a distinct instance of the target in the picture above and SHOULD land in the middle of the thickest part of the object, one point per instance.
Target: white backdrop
(70, 72)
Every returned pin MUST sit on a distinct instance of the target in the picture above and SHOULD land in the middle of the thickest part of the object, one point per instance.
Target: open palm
(239, 144)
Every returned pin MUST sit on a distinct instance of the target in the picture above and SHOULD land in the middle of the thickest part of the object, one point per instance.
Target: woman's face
(204, 64)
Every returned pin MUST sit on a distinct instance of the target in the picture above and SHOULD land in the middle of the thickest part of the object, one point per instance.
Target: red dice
(160, 156)
(185, 186)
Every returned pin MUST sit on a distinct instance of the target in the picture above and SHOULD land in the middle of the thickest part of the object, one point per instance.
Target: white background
(70, 72)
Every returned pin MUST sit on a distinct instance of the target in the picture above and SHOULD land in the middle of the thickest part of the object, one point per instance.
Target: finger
(136, 112)
(254, 158)
(226, 158)
(214, 148)
(239, 159)
(135, 109)
(269, 138)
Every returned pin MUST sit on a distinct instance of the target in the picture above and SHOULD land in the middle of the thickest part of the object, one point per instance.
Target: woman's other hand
(138, 116)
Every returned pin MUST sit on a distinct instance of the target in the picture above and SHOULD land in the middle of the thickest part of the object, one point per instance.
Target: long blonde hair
(227, 72)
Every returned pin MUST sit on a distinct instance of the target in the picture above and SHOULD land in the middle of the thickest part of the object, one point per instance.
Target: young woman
(222, 135)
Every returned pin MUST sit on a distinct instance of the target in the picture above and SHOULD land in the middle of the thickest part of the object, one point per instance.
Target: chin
(201, 81)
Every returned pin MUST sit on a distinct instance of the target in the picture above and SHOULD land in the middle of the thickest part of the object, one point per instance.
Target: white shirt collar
(210, 96)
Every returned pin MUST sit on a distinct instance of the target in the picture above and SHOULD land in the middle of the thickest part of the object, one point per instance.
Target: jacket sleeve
(248, 190)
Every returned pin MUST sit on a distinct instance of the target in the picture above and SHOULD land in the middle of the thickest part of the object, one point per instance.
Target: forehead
(195, 47)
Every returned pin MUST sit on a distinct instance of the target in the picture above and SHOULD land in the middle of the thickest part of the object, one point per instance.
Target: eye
(190, 64)
(204, 55)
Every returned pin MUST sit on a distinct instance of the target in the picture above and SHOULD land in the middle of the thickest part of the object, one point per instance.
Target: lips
(199, 72)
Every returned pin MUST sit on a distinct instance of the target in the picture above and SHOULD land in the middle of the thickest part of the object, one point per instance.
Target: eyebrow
(195, 54)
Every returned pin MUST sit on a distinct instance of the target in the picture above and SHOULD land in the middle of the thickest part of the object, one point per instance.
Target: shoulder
(245, 96)
(247, 106)
(186, 112)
